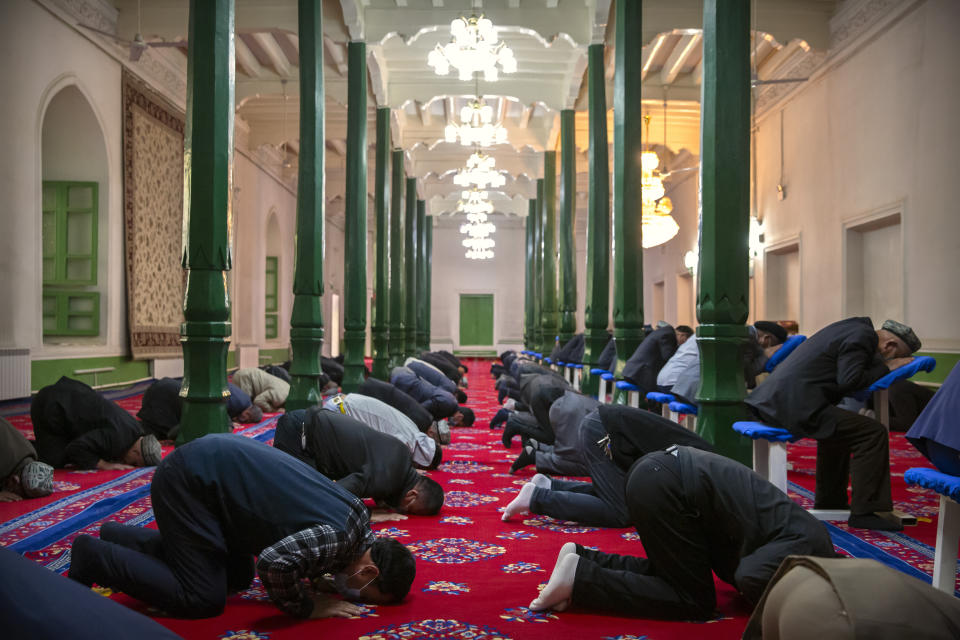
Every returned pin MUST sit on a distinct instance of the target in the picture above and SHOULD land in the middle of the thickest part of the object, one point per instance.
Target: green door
(476, 320)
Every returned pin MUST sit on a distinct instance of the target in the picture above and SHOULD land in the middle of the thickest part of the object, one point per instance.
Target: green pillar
(429, 262)
(627, 204)
(398, 336)
(722, 302)
(529, 291)
(568, 210)
(551, 316)
(381, 308)
(422, 309)
(355, 220)
(538, 271)
(410, 269)
(206, 219)
(597, 312)
(306, 320)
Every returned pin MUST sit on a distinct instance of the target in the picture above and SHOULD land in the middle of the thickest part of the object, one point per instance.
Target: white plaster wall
(876, 129)
(57, 57)
(454, 274)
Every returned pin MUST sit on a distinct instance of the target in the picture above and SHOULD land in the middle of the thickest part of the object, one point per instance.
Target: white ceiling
(549, 39)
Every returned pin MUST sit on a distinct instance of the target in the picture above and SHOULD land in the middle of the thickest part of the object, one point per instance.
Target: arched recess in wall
(74, 219)
(273, 285)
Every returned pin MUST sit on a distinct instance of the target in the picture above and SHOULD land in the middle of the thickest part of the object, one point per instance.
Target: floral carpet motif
(455, 550)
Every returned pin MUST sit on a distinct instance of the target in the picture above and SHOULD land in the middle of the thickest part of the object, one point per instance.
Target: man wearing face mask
(223, 499)
(801, 396)
(367, 463)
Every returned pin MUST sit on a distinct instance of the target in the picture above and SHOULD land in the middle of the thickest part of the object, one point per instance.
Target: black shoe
(508, 433)
(873, 521)
(500, 418)
(502, 394)
(525, 459)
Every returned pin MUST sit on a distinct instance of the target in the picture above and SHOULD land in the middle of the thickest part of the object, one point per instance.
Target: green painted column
(355, 220)
(551, 315)
(429, 262)
(206, 219)
(410, 269)
(538, 271)
(306, 320)
(722, 292)
(597, 311)
(398, 335)
(529, 291)
(568, 209)
(627, 204)
(422, 308)
(381, 309)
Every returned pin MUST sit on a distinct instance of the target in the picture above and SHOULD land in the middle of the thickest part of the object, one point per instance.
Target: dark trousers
(526, 425)
(600, 503)
(858, 452)
(184, 568)
(907, 401)
(675, 581)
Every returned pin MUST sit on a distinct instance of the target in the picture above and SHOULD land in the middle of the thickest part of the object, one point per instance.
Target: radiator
(14, 373)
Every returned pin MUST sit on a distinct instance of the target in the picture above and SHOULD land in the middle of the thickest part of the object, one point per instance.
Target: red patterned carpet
(475, 574)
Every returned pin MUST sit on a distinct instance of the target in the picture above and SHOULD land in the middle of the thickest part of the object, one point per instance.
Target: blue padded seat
(684, 408)
(781, 354)
(536, 355)
(561, 363)
(598, 372)
(607, 376)
(920, 363)
(574, 366)
(623, 385)
(760, 431)
(548, 360)
(662, 398)
(942, 483)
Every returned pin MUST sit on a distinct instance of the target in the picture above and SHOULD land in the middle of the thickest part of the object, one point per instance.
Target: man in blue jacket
(223, 499)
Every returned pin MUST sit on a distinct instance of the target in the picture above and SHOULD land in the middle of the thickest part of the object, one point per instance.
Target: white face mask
(340, 583)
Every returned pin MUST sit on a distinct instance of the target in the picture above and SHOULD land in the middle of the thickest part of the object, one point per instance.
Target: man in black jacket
(648, 358)
(800, 396)
(76, 425)
(367, 463)
(162, 407)
(697, 514)
(219, 501)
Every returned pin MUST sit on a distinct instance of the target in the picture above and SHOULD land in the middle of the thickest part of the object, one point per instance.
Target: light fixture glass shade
(658, 229)
(474, 48)
(478, 229)
(479, 243)
(476, 127)
(479, 254)
(480, 173)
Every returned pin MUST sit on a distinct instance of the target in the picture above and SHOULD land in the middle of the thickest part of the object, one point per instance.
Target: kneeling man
(223, 499)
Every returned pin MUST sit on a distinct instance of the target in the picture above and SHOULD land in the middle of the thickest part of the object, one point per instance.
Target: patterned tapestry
(153, 218)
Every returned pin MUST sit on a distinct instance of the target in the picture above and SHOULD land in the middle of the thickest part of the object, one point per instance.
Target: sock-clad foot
(521, 503)
(525, 459)
(500, 418)
(508, 434)
(541, 481)
(873, 521)
(559, 590)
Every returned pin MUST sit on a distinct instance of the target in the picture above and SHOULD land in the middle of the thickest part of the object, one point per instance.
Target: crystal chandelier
(476, 127)
(474, 48)
(478, 230)
(658, 225)
(477, 218)
(480, 173)
(478, 243)
(479, 254)
(474, 201)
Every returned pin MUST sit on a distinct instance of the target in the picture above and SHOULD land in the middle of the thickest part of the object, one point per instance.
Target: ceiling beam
(278, 59)
(246, 60)
(678, 57)
(337, 59)
(649, 53)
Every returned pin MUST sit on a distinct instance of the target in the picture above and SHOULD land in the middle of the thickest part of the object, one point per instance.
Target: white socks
(521, 503)
(541, 481)
(556, 595)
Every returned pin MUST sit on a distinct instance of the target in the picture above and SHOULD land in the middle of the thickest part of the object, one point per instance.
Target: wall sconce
(690, 261)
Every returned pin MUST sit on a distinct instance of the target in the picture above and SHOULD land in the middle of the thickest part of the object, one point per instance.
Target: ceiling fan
(138, 45)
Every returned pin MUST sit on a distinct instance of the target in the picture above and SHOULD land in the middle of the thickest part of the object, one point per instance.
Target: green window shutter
(272, 298)
(69, 244)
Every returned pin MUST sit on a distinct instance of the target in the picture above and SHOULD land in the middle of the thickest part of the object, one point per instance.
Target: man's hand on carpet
(386, 516)
(103, 465)
(9, 496)
(325, 607)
